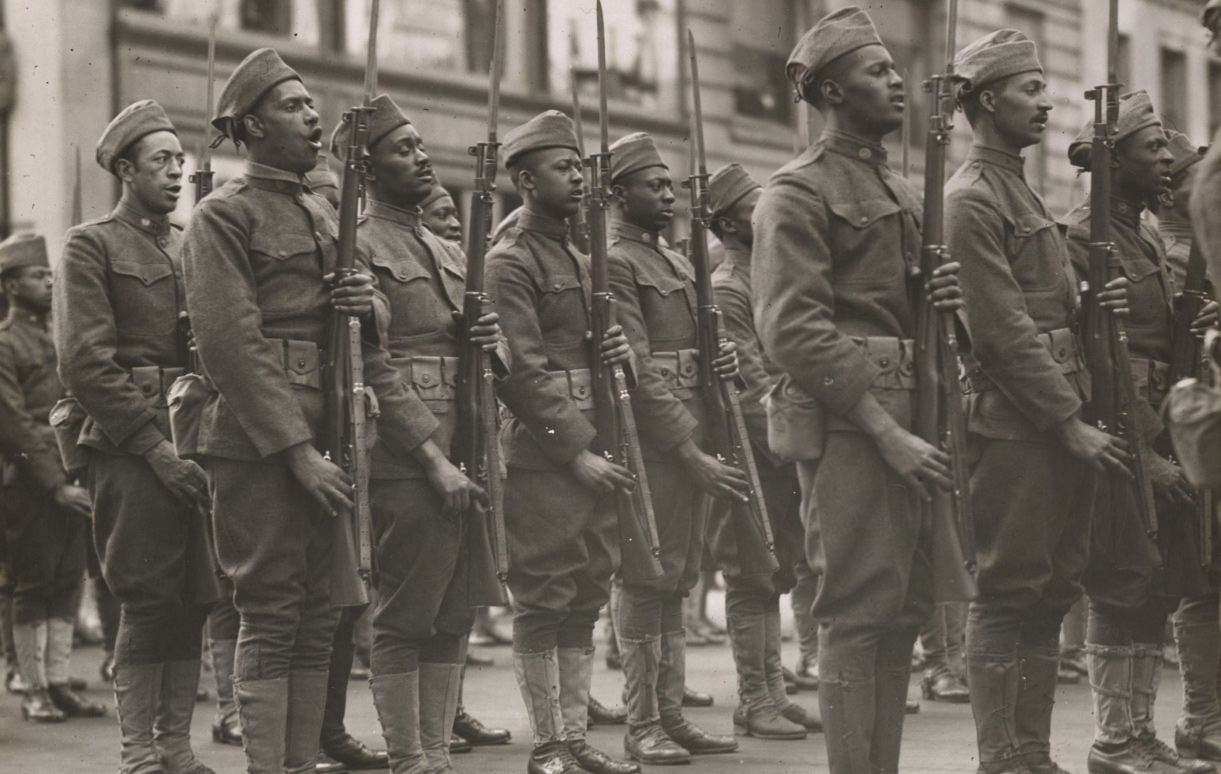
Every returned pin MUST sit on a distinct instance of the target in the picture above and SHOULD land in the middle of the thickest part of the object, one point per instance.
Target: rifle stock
(476, 443)
(939, 417)
(727, 426)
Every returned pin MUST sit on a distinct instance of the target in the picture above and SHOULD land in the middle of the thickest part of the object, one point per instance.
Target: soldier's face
(872, 90)
(441, 215)
(30, 287)
(1144, 161)
(285, 128)
(647, 197)
(154, 172)
(402, 168)
(554, 177)
(743, 214)
(1021, 106)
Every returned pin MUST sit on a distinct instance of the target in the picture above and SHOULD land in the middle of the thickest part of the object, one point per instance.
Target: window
(642, 53)
(1174, 88)
(296, 19)
(763, 36)
(1214, 97)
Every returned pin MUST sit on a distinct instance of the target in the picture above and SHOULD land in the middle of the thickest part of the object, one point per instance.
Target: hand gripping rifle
(726, 425)
(1113, 401)
(346, 407)
(616, 422)
(939, 417)
(476, 444)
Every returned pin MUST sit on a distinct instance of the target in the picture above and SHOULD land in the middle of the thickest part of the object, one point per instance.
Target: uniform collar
(379, 209)
(625, 230)
(999, 158)
(852, 146)
(274, 178)
(1126, 213)
(129, 215)
(19, 316)
(532, 221)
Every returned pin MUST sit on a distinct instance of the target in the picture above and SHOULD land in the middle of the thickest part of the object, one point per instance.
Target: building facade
(78, 61)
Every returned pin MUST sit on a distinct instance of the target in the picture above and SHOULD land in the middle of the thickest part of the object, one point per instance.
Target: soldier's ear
(987, 100)
(619, 194)
(124, 169)
(831, 92)
(252, 126)
(726, 225)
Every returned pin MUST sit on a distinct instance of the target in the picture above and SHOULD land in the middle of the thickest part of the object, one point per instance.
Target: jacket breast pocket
(1036, 262)
(287, 271)
(145, 298)
(856, 228)
(561, 302)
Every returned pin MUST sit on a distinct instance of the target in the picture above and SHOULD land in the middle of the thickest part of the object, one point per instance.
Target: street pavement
(939, 739)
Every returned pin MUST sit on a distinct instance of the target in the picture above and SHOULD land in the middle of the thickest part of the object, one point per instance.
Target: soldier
(420, 503)
(1033, 482)
(1206, 198)
(752, 599)
(559, 495)
(654, 289)
(1128, 608)
(836, 236)
(259, 255)
(45, 517)
(440, 214)
(120, 344)
(1173, 209)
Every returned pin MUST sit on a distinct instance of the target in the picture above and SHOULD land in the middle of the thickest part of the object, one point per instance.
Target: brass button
(558, 285)
(885, 361)
(145, 222)
(828, 381)
(865, 153)
(425, 378)
(301, 363)
(581, 391)
(162, 241)
(864, 219)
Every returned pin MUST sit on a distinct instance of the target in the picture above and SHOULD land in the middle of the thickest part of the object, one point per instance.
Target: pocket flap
(661, 283)
(283, 246)
(1026, 226)
(300, 360)
(557, 283)
(403, 270)
(865, 213)
(147, 273)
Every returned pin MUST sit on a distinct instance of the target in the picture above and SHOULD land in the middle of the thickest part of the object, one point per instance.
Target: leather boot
(602, 715)
(172, 727)
(1115, 749)
(1038, 670)
(1146, 680)
(396, 698)
(1198, 732)
(137, 691)
(671, 679)
(438, 705)
(576, 672)
(37, 707)
(756, 714)
(774, 672)
(645, 741)
(553, 758)
(943, 685)
(993, 683)
(59, 681)
(892, 679)
(471, 729)
(538, 678)
(848, 706)
(224, 727)
(303, 729)
(459, 746)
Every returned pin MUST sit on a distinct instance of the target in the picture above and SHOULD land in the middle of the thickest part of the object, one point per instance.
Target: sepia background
(70, 65)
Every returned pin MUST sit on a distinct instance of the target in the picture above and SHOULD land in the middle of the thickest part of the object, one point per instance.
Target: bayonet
(203, 174)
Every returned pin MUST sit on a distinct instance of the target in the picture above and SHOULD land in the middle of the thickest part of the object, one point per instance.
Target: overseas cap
(994, 56)
(838, 33)
(386, 117)
(727, 186)
(253, 78)
(22, 250)
(133, 122)
(437, 192)
(1135, 113)
(1185, 151)
(549, 129)
(633, 153)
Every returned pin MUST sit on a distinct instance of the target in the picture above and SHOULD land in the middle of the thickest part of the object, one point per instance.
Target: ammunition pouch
(680, 370)
(435, 379)
(577, 384)
(68, 420)
(1151, 379)
(796, 422)
(1062, 345)
(895, 357)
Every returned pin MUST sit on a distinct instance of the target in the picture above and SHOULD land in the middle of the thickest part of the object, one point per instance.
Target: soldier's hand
(600, 474)
(1168, 479)
(182, 477)
(486, 331)
(74, 498)
(616, 350)
(722, 481)
(943, 289)
(1114, 297)
(1103, 451)
(1206, 320)
(726, 364)
(916, 461)
(457, 491)
(325, 481)
(352, 294)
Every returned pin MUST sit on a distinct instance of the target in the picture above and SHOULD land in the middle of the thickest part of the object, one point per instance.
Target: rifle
(578, 225)
(345, 401)
(476, 444)
(939, 417)
(1113, 403)
(202, 178)
(727, 427)
(616, 422)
